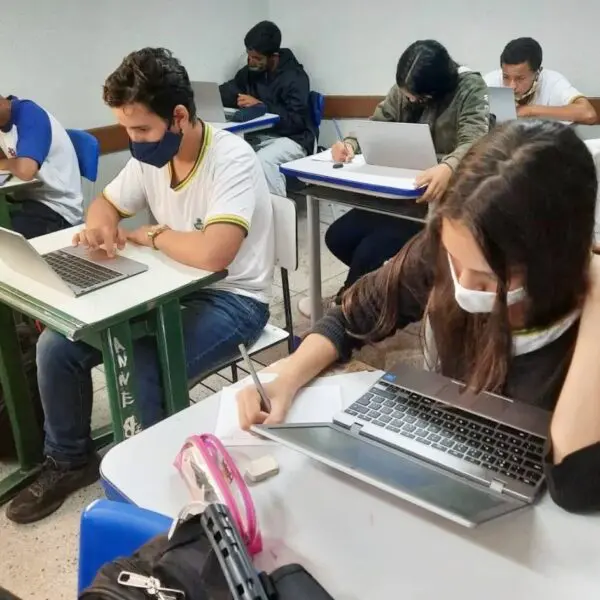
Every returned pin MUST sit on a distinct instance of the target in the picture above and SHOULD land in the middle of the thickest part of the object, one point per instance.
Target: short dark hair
(522, 50)
(153, 77)
(427, 69)
(264, 37)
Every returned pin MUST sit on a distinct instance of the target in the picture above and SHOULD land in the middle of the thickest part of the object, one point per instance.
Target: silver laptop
(209, 105)
(467, 457)
(398, 145)
(502, 104)
(73, 269)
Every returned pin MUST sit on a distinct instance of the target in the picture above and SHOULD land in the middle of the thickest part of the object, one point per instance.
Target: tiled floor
(39, 561)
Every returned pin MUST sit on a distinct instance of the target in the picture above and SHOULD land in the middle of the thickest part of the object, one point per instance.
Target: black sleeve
(291, 105)
(574, 484)
(414, 288)
(230, 90)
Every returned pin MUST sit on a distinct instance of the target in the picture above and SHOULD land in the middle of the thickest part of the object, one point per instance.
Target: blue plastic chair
(112, 529)
(317, 108)
(87, 149)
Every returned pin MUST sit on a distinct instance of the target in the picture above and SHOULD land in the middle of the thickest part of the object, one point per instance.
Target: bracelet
(155, 232)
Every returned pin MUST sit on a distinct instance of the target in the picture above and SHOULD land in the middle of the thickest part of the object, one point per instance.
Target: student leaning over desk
(430, 88)
(499, 291)
(539, 92)
(207, 191)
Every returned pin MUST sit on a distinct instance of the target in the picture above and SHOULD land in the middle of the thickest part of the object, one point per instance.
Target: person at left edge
(207, 191)
(36, 146)
(275, 78)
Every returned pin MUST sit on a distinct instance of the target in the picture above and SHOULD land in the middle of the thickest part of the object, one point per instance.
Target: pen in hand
(265, 403)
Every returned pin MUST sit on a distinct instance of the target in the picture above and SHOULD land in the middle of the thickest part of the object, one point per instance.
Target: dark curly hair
(152, 77)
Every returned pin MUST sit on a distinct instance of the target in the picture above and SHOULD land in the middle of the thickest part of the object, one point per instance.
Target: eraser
(261, 468)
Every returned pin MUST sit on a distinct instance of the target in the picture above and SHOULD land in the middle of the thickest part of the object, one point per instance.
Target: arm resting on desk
(212, 249)
(578, 111)
(24, 168)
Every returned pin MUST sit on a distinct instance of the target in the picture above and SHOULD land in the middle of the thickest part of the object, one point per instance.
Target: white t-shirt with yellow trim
(553, 89)
(226, 185)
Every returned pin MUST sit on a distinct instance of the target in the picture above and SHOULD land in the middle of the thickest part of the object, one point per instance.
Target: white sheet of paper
(312, 405)
(324, 156)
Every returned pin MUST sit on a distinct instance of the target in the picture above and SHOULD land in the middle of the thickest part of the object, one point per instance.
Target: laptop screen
(415, 480)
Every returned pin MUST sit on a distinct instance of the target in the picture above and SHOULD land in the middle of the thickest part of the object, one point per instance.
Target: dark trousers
(32, 218)
(364, 240)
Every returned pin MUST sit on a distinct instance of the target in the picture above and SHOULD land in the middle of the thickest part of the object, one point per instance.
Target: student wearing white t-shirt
(36, 146)
(539, 92)
(207, 191)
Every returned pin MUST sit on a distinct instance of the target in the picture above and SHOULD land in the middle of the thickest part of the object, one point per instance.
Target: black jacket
(285, 92)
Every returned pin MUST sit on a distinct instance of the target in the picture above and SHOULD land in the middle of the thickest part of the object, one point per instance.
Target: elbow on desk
(590, 117)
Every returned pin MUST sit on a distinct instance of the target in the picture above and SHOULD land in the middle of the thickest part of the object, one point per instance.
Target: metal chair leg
(287, 306)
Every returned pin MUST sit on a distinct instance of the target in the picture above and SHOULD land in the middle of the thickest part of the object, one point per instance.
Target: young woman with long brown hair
(498, 279)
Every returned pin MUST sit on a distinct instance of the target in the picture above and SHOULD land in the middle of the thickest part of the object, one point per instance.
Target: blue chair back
(87, 149)
(112, 529)
(317, 108)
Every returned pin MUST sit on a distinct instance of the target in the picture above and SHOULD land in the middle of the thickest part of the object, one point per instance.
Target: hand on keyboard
(108, 237)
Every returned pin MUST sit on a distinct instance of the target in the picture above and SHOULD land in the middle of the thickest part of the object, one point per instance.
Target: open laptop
(397, 145)
(74, 270)
(419, 436)
(209, 104)
(502, 104)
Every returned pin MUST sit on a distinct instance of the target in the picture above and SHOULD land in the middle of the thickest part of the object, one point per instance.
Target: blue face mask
(157, 154)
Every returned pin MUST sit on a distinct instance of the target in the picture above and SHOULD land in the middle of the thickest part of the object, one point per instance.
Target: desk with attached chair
(390, 192)
(109, 319)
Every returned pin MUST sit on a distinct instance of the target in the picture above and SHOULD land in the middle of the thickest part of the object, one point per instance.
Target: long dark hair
(527, 193)
(426, 69)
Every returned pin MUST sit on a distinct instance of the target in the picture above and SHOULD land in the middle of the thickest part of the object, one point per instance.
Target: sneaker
(51, 488)
(304, 305)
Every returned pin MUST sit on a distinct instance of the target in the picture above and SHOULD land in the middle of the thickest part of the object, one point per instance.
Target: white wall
(59, 52)
(352, 47)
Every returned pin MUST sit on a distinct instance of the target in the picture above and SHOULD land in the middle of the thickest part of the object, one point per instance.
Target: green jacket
(456, 122)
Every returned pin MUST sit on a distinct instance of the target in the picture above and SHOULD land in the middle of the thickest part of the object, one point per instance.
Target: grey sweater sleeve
(351, 332)
(333, 327)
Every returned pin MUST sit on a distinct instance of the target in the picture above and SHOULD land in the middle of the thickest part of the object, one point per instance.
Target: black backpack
(205, 559)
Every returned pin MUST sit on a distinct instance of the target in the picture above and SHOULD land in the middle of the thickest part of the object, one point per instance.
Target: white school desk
(108, 319)
(362, 544)
(267, 121)
(13, 185)
(384, 190)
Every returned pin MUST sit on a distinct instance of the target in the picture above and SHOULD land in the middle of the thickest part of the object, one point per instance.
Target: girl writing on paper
(498, 279)
(430, 88)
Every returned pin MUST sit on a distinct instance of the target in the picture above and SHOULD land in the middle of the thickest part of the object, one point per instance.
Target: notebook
(312, 405)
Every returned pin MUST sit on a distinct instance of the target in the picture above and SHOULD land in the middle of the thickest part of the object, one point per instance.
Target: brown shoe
(53, 485)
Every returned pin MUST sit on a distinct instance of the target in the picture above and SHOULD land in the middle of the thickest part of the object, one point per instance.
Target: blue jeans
(214, 324)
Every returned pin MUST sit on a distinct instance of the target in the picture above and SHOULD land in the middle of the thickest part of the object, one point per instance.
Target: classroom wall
(352, 47)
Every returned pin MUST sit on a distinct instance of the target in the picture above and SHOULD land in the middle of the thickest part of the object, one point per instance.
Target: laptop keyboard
(77, 271)
(475, 439)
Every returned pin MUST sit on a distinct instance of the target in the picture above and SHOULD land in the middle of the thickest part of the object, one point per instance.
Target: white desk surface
(14, 183)
(356, 176)
(362, 544)
(164, 276)
(266, 121)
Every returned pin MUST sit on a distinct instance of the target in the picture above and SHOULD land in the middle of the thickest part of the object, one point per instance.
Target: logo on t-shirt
(12, 153)
(199, 225)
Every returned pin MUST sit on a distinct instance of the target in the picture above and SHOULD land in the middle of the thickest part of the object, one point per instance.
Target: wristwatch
(154, 232)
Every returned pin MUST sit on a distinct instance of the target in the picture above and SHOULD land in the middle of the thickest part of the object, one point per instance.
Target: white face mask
(477, 301)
